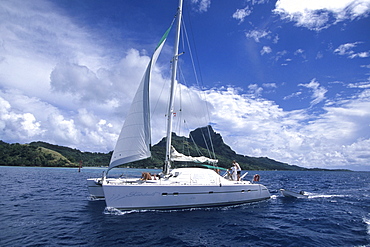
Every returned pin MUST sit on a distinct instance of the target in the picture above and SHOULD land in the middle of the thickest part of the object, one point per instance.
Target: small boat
(288, 193)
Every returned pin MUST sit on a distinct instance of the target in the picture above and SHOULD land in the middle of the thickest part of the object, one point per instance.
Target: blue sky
(287, 79)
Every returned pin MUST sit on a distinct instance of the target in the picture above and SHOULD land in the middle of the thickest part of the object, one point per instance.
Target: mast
(167, 164)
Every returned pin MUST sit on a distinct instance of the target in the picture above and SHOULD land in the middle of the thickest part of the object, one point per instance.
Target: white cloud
(293, 95)
(319, 55)
(319, 92)
(280, 54)
(363, 54)
(17, 124)
(338, 137)
(203, 5)
(345, 49)
(257, 34)
(266, 50)
(269, 85)
(299, 51)
(318, 14)
(348, 50)
(364, 85)
(64, 83)
(240, 14)
(255, 90)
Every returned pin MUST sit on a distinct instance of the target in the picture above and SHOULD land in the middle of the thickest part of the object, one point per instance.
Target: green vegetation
(28, 155)
(48, 155)
(45, 154)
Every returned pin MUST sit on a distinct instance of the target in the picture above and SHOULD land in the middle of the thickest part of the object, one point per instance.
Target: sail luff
(167, 165)
(135, 137)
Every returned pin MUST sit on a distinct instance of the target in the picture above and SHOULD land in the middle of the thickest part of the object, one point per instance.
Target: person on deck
(146, 176)
(233, 174)
(238, 170)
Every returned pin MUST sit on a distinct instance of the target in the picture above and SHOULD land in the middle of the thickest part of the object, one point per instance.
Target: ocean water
(50, 207)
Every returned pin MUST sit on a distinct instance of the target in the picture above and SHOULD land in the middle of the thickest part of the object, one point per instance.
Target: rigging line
(183, 34)
(196, 146)
(199, 152)
(205, 142)
(198, 120)
(181, 75)
(191, 53)
(196, 78)
(159, 97)
(154, 109)
(210, 138)
(179, 116)
(191, 100)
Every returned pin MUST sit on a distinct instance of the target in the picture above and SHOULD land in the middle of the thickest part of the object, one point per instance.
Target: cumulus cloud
(18, 125)
(78, 80)
(317, 14)
(65, 93)
(257, 127)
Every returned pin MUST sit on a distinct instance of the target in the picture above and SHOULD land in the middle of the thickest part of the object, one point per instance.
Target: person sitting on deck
(146, 176)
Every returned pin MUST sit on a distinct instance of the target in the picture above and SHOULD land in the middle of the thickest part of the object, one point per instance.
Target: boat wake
(312, 195)
(93, 198)
(115, 211)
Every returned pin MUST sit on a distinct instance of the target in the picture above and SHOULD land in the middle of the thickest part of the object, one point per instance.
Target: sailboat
(188, 187)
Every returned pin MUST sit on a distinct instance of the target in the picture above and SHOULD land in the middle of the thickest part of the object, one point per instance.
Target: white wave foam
(367, 222)
(311, 195)
(115, 211)
(93, 198)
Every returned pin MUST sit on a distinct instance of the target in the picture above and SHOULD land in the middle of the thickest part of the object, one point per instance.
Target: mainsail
(176, 156)
(135, 138)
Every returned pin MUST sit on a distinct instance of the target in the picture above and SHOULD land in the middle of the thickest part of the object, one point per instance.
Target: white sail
(135, 138)
(176, 156)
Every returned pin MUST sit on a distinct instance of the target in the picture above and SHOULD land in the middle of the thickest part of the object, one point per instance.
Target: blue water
(50, 207)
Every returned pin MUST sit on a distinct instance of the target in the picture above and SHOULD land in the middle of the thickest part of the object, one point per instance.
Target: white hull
(193, 187)
(95, 188)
